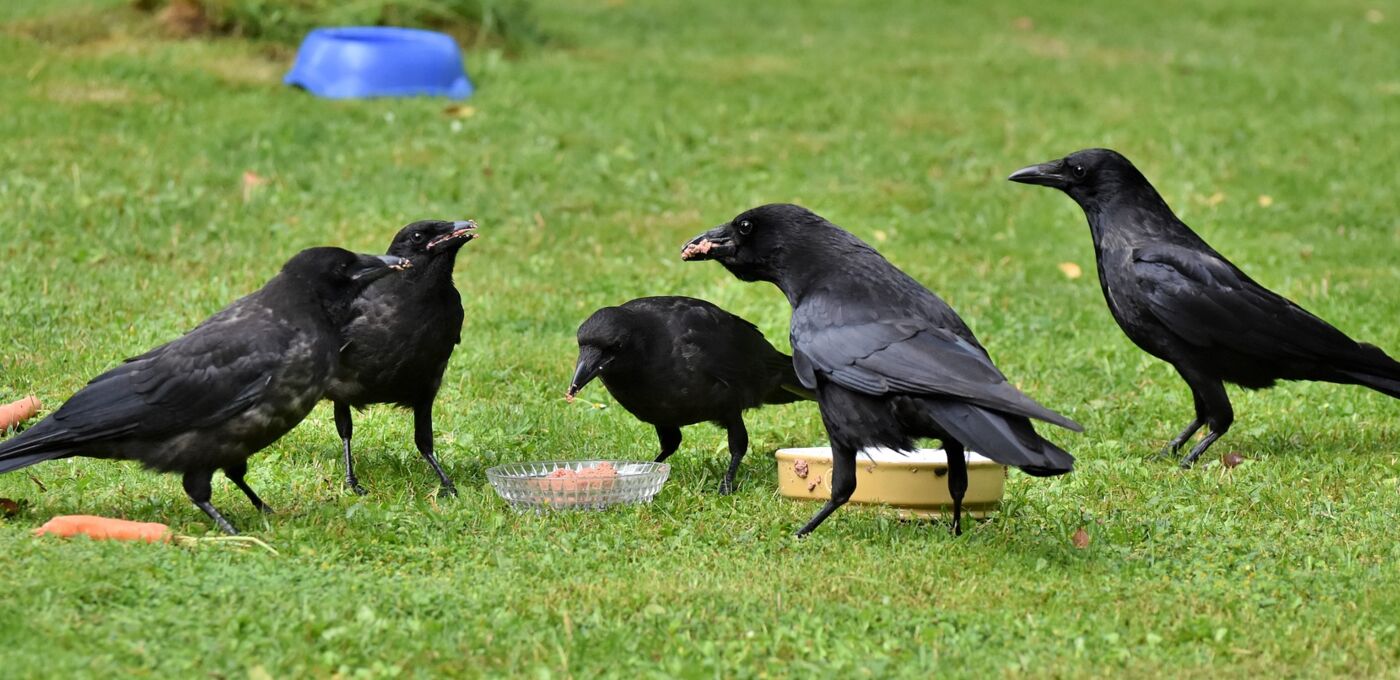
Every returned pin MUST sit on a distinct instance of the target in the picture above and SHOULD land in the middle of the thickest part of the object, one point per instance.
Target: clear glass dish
(577, 484)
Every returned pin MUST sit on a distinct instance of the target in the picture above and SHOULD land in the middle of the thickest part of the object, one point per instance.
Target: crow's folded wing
(908, 356)
(725, 346)
(1209, 303)
(201, 379)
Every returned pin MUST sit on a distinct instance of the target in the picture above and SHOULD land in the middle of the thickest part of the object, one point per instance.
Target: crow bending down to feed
(1183, 302)
(213, 397)
(890, 362)
(403, 334)
(676, 361)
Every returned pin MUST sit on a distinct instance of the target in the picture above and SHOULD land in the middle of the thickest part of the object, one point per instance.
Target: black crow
(1184, 303)
(404, 331)
(677, 361)
(216, 395)
(889, 360)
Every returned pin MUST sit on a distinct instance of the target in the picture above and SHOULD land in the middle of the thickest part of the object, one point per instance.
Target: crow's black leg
(198, 489)
(843, 484)
(346, 427)
(670, 441)
(957, 479)
(423, 437)
(1175, 444)
(1205, 443)
(1201, 414)
(738, 446)
(236, 473)
(1218, 413)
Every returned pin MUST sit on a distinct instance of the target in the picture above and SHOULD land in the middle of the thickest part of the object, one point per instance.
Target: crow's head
(1091, 176)
(602, 339)
(336, 275)
(429, 239)
(756, 244)
(340, 268)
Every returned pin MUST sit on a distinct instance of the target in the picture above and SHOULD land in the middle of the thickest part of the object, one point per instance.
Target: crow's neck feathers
(1127, 211)
(435, 269)
(834, 251)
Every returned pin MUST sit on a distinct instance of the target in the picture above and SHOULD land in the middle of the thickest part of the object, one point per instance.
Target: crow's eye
(745, 227)
(418, 237)
(1079, 171)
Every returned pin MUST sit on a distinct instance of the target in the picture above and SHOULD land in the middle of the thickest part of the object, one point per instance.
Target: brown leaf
(1080, 539)
(1231, 459)
(1070, 270)
(9, 507)
(1265, 200)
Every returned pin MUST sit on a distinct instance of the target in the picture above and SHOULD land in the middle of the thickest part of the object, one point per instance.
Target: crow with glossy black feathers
(890, 362)
(677, 361)
(213, 397)
(403, 335)
(1183, 302)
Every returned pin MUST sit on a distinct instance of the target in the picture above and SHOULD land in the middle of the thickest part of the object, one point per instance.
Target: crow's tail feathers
(1006, 439)
(790, 389)
(29, 447)
(1373, 368)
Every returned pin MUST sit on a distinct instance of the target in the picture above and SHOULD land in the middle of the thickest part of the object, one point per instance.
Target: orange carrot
(105, 528)
(18, 412)
(109, 529)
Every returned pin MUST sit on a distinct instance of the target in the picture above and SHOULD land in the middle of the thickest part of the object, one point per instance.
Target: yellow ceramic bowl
(916, 483)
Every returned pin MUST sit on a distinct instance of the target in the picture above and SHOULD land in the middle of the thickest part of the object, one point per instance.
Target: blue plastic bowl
(379, 61)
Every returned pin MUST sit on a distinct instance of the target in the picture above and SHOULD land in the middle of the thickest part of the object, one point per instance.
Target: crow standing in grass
(889, 360)
(220, 393)
(1184, 303)
(404, 331)
(676, 361)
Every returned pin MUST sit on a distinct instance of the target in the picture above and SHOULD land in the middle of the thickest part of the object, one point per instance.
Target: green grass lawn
(588, 162)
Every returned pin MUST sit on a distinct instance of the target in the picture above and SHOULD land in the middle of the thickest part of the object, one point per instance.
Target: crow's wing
(909, 356)
(729, 348)
(1211, 304)
(200, 379)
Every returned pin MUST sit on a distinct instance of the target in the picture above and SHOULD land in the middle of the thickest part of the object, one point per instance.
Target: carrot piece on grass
(18, 412)
(105, 528)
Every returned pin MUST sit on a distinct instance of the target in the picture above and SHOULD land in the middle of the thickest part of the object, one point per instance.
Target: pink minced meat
(694, 249)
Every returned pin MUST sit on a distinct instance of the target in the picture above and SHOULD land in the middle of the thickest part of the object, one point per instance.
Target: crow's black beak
(1046, 174)
(371, 267)
(591, 362)
(459, 234)
(713, 244)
